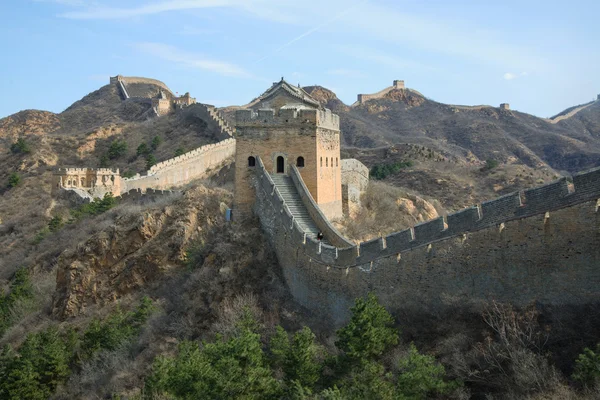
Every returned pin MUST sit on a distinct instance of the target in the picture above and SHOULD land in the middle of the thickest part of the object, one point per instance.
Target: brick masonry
(539, 245)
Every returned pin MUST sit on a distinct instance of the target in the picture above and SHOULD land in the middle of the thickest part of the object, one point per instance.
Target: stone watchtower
(286, 126)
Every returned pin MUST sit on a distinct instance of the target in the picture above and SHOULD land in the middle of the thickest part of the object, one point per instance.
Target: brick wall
(540, 245)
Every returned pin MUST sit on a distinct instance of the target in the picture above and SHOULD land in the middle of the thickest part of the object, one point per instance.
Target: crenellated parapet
(538, 245)
(514, 206)
(288, 116)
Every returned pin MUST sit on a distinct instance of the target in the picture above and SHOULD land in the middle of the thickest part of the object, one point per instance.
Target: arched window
(280, 165)
(336, 161)
(327, 161)
(82, 182)
(251, 161)
(300, 162)
(321, 161)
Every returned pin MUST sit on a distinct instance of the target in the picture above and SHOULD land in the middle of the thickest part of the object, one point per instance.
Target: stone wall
(183, 169)
(355, 179)
(539, 245)
(397, 84)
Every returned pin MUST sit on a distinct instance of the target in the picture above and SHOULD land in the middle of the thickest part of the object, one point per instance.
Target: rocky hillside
(474, 134)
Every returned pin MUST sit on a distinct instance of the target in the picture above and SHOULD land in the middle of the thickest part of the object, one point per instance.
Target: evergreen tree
(143, 150)
(420, 375)
(117, 149)
(156, 142)
(150, 161)
(370, 331)
(20, 147)
(14, 179)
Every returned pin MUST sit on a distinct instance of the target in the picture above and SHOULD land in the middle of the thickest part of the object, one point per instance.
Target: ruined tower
(286, 126)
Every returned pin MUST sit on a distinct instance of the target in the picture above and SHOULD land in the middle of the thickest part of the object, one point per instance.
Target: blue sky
(539, 56)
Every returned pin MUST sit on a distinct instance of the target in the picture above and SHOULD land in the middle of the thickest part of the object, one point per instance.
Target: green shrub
(225, 369)
(40, 235)
(118, 328)
(421, 376)
(587, 367)
(14, 179)
(143, 150)
(382, 171)
(104, 162)
(179, 151)
(150, 161)
(95, 207)
(489, 165)
(128, 174)
(298, 359)
(20, 147)
(21, 289)
(156, 142)
(117, 149)
(370, 331)
(55, 223)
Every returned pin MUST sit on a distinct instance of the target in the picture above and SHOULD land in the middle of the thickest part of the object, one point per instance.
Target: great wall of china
(196, 164)
(537, 245)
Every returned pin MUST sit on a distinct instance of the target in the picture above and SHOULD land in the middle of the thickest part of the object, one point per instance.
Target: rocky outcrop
(139, 248)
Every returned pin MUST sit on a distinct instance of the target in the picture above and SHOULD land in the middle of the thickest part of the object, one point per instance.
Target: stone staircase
(292, 199)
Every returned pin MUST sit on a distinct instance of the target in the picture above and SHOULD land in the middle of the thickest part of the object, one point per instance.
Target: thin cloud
(100, 12)
(190, 60)
(509, 76)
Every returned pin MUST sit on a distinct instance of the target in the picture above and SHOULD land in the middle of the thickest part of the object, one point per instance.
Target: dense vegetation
(295, 366)
(382, 171)
(47, 358)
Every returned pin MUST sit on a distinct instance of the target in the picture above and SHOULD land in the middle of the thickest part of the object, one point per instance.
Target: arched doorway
(280, 165)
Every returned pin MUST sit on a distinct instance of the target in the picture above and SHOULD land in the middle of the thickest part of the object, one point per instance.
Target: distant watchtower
(505, 106)
(285, 126)
(398, 84)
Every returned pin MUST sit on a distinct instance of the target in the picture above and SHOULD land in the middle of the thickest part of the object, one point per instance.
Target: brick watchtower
(286, 126)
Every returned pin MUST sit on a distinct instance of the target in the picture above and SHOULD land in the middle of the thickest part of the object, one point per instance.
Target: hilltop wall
(362, 98)
(184, 168)
(538, 245)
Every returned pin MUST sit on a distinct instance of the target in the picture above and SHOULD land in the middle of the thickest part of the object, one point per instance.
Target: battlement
(518, 205)
(103, 171)
(286, 116)
(199, 152)
(505, 106)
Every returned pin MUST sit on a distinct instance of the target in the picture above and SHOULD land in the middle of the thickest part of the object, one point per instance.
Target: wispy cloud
(190, 60)
(103, 12)
(509, 76)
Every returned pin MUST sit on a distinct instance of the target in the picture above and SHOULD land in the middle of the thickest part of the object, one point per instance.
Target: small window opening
(251, 161)
(326, 161)
(336, 161)
(300, 162)
(321, 161)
